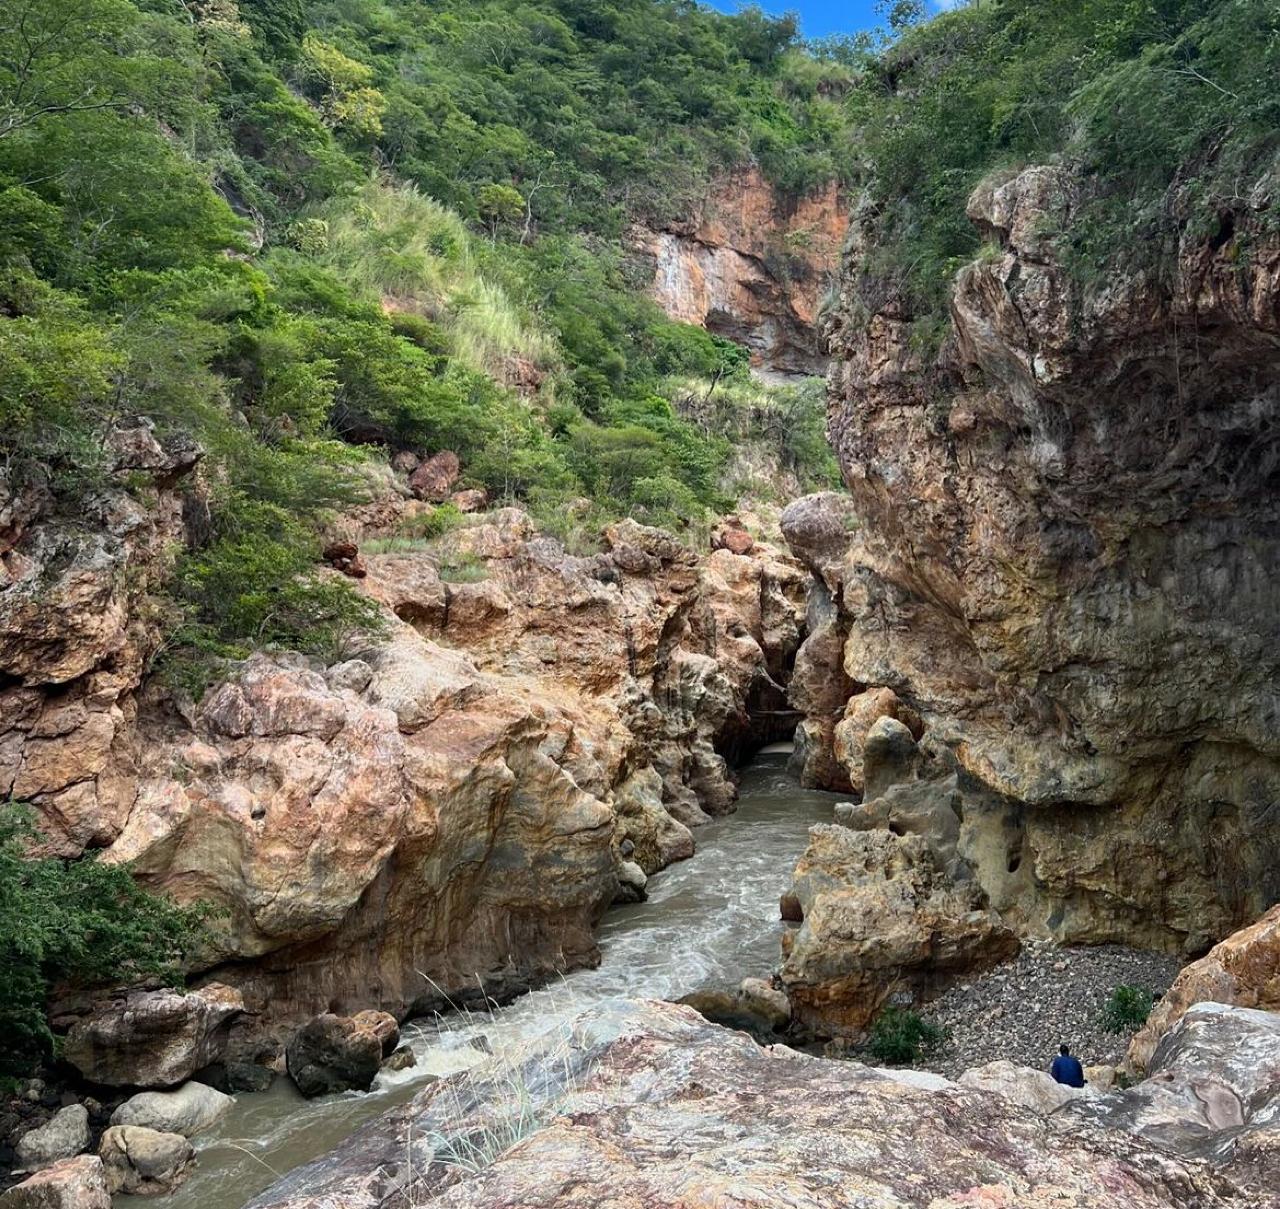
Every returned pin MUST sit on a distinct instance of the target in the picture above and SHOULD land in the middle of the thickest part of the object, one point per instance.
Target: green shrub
(83, 924)
(1127, 1009)
(900, 1037)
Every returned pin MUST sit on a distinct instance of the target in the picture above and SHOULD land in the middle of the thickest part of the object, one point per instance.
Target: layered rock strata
(1058, 554)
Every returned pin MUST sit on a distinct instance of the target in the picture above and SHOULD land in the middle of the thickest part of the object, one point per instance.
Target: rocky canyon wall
(753, 266)
(455, 807)
(1057, 566)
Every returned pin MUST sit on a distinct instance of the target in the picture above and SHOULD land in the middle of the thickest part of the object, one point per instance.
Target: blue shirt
(1068, 1070)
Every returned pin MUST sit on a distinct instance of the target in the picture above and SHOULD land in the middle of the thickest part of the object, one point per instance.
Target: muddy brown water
(709, 922)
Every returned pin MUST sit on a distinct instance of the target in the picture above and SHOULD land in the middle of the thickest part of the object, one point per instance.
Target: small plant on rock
(901, 1037)
(1127, 1009)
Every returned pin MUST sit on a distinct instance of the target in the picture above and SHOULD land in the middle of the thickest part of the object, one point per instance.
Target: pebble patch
(1048, 995)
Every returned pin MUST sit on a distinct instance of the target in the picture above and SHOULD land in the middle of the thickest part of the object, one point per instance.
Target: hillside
(307, 237)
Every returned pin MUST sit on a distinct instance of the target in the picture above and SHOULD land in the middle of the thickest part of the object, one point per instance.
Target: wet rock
(433, 480)
(631, 883)
(403, 1059)
(650, 1098)
(880, 919)
(63, 1137)
(153, 1038)
(332, 1054)
(144, 1162)
(74, 1183)
(189, 1110)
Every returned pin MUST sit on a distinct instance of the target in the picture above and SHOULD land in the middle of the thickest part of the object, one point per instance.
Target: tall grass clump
(412, 253)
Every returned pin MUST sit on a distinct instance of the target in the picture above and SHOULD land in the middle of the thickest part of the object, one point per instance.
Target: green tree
(84, 924)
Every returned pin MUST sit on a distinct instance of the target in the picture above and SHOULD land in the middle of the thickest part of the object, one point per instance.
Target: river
(709, 922)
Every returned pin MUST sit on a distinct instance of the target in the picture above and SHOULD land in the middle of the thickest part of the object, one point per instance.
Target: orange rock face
(753, 266)
(1244, 971)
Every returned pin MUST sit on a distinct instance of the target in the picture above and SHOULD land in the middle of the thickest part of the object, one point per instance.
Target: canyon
(1032, 644)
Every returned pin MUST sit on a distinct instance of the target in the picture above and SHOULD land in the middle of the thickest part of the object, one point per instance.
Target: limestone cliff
(1059, 552)
(753, 266)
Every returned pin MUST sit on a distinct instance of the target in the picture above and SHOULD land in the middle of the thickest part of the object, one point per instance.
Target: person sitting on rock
(1066, 1068)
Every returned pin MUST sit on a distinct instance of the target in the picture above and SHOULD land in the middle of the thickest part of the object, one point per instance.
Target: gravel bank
(1024, 1010)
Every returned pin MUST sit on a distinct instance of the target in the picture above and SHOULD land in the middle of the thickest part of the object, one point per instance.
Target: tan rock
(152, 1038)
(879, 920)
(714, 269)
(1244, 970)
(76, 1183)
(433, 480)
(144, 1162)
(1032, 1089)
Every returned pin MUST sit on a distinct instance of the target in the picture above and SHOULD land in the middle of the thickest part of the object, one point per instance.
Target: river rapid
(710, 922)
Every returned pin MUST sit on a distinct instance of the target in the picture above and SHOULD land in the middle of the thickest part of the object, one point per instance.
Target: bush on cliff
(77, 924)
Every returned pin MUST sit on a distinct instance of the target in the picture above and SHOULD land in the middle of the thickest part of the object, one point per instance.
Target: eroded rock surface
(1243, 970)
(77, 1183)
(753, 266)
(880, 919)
(1060, 549)
(647, 1104)
(450, 810)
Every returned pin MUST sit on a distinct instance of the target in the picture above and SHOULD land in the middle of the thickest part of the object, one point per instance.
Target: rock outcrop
(441, 819)
(880, 920)
(1060, 549)
(753, 266)
(1243, 971)
(647, 1104)
(1212, 1091)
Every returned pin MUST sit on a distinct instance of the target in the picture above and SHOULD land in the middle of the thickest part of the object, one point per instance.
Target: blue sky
(818, 17)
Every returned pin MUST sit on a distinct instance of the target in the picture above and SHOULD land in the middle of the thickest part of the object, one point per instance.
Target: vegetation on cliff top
(1170, 108)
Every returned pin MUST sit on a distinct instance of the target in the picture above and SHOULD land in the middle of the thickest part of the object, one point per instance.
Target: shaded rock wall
(1062, 551)
(754, 267)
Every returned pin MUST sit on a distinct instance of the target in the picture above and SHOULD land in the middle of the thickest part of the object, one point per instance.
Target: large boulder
(76, 1183)
(648, 1104)
(1243, 970)
(191, 1109)
(62, 1137)
(144, 1162)
(1213, 1091)
(880, 920)
(433, 480)
(1032, 1089)
(334, 1053)
(153, 1038)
